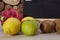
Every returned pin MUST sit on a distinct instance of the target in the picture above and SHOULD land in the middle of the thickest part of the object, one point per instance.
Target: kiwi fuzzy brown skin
(57, 28)
(47, 26)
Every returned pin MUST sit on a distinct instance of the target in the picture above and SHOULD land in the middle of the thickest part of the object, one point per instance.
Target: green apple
(29, 27)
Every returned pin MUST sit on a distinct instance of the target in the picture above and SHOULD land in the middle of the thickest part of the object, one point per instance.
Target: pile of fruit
(29, 26)
(12, 20)
(11, 8)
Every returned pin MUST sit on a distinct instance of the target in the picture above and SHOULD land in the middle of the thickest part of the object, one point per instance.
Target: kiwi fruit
(47, 26)
(57, 28)
(1, 6)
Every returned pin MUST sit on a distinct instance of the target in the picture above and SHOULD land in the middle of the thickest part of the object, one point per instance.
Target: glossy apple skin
(29, 28)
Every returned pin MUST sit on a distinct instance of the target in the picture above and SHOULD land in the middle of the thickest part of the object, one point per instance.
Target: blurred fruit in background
(20, 8)
(11, 13)
(12, 2)
(15, 7)
(1, 6)
(8, 6)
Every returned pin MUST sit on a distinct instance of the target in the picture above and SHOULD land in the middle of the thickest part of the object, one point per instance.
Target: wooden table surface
(38, 36)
